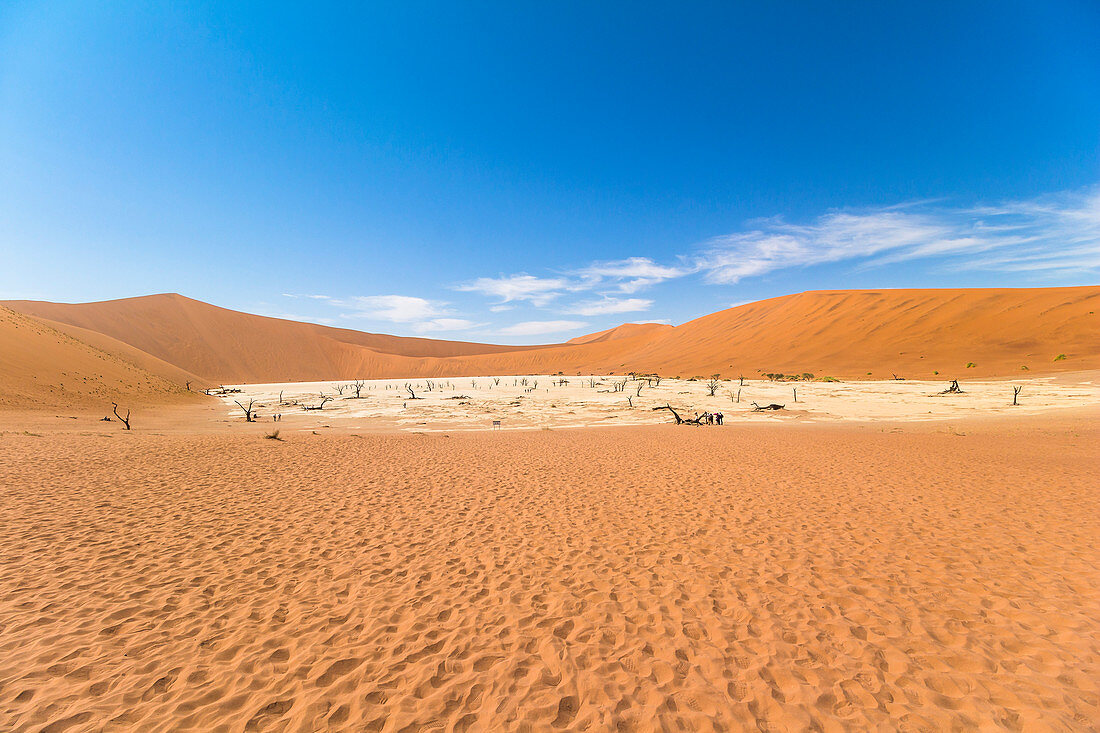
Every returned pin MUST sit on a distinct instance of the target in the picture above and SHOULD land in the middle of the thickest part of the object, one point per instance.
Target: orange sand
(658, 578)
(911, 333)
(46, 366)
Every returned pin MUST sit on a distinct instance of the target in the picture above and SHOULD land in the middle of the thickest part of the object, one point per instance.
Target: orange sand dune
(911, 333)
(640, 579)
(229, 346)
(908, 332)
(626, 330)
(56, 365)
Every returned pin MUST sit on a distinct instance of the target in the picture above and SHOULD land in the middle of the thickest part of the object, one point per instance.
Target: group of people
(709, 418)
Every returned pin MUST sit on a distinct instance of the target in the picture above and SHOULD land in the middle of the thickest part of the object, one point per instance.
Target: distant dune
(844, 334)
(626, 330)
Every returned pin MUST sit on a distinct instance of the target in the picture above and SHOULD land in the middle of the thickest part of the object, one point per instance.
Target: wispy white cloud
(607, 306)
(538, 328)
(537, 290)
(394, 308)
(446, 325)
(630, 275)
(1060, 231)
(304, 295)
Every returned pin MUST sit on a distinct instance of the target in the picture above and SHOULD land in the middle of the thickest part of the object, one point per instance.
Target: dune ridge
(847, 334)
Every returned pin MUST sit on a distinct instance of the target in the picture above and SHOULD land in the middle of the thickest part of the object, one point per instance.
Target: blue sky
(528, 172)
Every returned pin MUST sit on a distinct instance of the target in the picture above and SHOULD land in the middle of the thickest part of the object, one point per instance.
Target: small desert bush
(970, 365)
(1060, 357)
(273, 435)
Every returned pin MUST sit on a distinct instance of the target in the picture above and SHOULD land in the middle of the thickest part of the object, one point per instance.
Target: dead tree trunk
(1015, 394)
(679, 420)
(125, 420)
(248, 416)
(358, 387)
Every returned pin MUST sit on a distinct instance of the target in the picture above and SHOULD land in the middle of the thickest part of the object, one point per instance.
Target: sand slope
(55, 365)
(623, 579)
(229, 346)
(912, 333)
(626, 330)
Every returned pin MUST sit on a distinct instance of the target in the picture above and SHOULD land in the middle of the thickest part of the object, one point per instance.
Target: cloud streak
(608, 306)
(393, 308)
(538, 328)
(1055, 232)
(537, 290)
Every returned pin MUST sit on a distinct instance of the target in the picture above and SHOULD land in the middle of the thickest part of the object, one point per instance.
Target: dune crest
(916, 334)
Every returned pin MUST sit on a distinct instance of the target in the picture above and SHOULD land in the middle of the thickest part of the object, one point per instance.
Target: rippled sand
(651, 578)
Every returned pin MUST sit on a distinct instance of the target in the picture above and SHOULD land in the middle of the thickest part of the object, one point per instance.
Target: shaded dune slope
(55, 365)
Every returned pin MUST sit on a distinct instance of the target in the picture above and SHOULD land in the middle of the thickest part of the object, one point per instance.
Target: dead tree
(741, 381)
(339, 388)
(630, 400)
(1015, 394)
(496, 381)
(125, 420)
(953, 388)
(409, 389)
(430, 383)
(281, 397)
(713, 384)
(761, 408)
(638, 391)
(357, 385)
(249, 415)
(321, 406)
(681, 420)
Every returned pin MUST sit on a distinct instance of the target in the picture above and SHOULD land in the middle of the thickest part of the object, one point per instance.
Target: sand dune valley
(879, 553)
